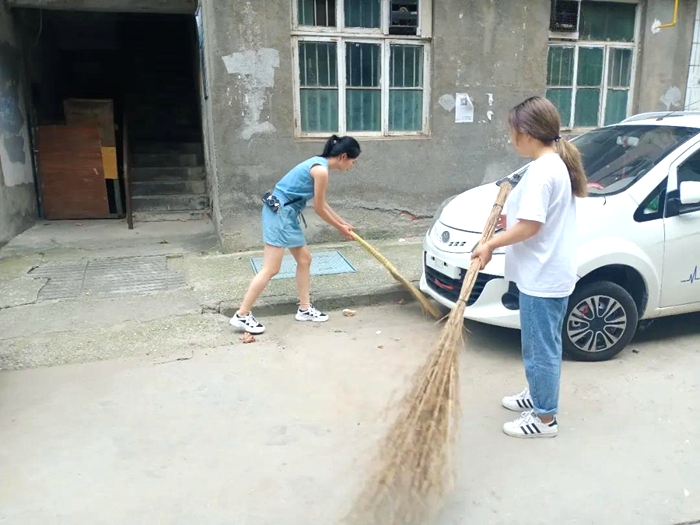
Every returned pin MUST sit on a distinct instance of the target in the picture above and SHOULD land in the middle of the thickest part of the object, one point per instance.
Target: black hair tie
(557, 138)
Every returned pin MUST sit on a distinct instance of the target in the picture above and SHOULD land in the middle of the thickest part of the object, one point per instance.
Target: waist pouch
(274, 203)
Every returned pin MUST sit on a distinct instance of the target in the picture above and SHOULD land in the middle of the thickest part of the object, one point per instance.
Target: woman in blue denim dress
(281, 214)
(541, 245)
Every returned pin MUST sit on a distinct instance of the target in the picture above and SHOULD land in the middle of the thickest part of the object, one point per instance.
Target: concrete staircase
(168, 181)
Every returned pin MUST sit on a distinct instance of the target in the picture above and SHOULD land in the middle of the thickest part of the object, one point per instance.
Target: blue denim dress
(282, 228)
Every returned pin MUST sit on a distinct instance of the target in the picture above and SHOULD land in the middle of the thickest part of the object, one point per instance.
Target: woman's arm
(336, 216)
(522, 231)
(320, 176)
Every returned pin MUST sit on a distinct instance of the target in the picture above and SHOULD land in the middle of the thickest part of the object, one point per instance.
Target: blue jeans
(541, 322)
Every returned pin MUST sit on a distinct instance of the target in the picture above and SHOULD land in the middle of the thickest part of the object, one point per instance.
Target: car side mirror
(689, 192)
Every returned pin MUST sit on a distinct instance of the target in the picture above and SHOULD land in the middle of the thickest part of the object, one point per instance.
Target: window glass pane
(364, 109)
(607, 21)
(318, 72)
(319, 110)
(560, 66)
(363, 106)
(362, 13)
(405, 110)
(616, 106)
(316, 13)
(587, 105)
(318, 65)
(406, 69)
(405, 88)
(620, 68)
(690, 170)
(561, 98)
(363, 64)
(590, 66)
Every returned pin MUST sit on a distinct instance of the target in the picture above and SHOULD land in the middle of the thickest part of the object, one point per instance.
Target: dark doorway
(122, 71)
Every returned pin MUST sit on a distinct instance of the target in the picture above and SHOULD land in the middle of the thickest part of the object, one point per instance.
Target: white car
(639, 233)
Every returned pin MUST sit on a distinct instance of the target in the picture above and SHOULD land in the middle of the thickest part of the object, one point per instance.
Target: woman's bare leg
(303, 258)
(272, 261)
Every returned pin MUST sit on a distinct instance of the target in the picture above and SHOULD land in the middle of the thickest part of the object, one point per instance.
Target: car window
(616, 157)
(690, 171)
(653, 206)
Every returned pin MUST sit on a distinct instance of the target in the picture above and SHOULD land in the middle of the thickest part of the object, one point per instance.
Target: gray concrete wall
(18, 208)
(496, 47)
(662, 71)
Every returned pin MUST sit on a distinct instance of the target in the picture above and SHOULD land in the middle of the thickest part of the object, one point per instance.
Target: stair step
(160, 216)
(166, 174)
(165, 160)
(142, 189)
(168, 147)
(169, 203)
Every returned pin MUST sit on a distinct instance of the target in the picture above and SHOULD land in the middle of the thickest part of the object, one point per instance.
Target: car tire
(600, 321)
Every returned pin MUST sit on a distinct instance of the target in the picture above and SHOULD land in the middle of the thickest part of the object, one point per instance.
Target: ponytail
(572, 158)
(336, 146)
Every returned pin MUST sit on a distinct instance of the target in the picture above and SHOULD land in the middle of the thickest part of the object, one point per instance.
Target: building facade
(424, 85)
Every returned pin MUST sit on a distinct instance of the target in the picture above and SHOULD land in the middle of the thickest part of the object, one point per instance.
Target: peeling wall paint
(447, 102)
(672, 98)
(18, 205)
(255, 70)
(14, 143)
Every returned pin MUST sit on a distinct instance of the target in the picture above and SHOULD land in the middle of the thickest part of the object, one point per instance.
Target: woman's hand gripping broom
(414, 463)
(425, 303)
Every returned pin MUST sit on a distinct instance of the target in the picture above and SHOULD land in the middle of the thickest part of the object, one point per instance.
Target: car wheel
(600, 321)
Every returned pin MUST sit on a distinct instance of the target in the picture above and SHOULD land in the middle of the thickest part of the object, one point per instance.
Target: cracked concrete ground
(200, 428)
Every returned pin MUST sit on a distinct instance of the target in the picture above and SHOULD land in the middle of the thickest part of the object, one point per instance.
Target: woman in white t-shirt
(540, 242)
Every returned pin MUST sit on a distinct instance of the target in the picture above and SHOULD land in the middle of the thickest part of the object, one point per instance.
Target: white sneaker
(311, 315)
(247, 323)
(519, 402)
(528, 425)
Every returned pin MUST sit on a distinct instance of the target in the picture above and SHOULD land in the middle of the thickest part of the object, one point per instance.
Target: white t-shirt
(545, 264)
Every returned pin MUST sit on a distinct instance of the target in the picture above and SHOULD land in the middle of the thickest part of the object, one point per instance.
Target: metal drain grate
(107, 277)
(323, 263)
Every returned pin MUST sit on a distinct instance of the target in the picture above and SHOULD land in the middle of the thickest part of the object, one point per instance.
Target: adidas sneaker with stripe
(529, 425)
(519, 402)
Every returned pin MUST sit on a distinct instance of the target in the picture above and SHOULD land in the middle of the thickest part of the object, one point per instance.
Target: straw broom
(413, 469)
(427, 306)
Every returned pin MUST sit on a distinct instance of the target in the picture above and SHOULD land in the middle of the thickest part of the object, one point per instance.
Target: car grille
(449, 288)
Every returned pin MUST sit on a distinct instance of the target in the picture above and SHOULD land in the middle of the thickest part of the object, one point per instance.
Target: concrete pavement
(280, 432)
(76, 292)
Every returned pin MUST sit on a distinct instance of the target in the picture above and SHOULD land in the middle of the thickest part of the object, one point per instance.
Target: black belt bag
(274, 203)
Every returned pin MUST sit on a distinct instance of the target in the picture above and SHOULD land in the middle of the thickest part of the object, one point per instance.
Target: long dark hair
(539, 118)
(336, 146)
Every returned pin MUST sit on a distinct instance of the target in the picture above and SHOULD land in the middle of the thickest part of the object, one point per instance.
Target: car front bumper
(486, 302)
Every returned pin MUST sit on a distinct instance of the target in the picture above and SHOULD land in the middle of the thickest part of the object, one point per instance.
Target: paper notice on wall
(464, 109)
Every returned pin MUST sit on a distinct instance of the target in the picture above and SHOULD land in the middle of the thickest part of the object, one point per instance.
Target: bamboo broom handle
(475, 266)
(428, 306)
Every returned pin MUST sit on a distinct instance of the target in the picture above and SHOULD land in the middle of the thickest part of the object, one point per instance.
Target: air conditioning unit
(403, 17)
(564, 19)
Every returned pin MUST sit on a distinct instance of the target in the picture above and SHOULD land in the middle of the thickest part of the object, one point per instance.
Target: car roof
(686, 119)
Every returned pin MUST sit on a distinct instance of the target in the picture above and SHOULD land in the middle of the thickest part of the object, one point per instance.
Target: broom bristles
(414, 468)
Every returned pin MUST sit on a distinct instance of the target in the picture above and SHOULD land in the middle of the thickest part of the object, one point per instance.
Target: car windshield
(616, 157)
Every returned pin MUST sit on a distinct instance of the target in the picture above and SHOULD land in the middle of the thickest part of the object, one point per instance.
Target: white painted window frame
(341, 36)
(577, 44)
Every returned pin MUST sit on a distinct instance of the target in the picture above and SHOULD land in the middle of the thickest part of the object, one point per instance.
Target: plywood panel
(71, 172)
